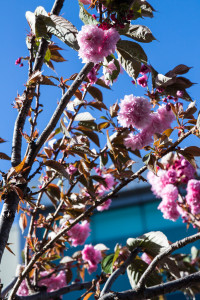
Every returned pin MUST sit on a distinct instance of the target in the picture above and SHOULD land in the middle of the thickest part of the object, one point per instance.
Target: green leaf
(116, 255)
(152, 243)
(64, 30)
(103, 159)
(191, 109)
(107, 263)
(192, 150)
(136, 269)
(102, 84)
(95, 93)
(4, 156)
(57, 167)
(92, 135)
(64, 129)
(164, 81)
(172, 91)
(140, 33)
(40, 26)
(178, 70)
(133, 49)
(129, 64)
(85, 16)
(47, 55)
(86, 116)
(89, 124)
(194, 252)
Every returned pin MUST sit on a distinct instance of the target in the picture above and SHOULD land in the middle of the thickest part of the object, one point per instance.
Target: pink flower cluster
(136, 112)
(79, 233)
(193, 196)
(52, 283)
(164, 185)
(96, 43)
(92, 256)
(168, 205)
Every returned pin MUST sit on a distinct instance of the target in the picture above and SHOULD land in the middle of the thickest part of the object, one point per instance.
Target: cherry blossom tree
(74, 150)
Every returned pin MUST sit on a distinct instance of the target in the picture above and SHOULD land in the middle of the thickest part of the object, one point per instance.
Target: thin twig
(161, 289)
(121, 270)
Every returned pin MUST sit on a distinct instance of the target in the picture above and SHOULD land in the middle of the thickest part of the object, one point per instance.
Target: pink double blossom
(105, 205)
(79, 233)
(92, 256)
(134, 111)
(96, 43)
(52, 283)
(138, 141)
(193, 196)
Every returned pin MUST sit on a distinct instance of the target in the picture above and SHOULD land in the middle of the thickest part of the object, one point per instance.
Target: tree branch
(58, 112)
(161, 289)
(55, 294)
(7, 218)
(119, 272)
(169, 250)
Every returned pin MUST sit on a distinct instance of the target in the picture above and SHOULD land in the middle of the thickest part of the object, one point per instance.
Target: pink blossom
(168, 206)
(110, 181)
(96, 43)
(157, 182)
(134, 111)
(85, 1)
(105, 205)
(23, 289)
(71, 169)
(92, 256)
(52, 283)
(169, 209)
(179, 94)
(79, 233)
(161, 120)
(145, 257)
(170, 193)
(193, 196)
(142, 81)
(18, 61)
(144, 70)
(138, 141)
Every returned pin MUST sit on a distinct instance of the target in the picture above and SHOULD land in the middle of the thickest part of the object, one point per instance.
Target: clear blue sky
(175, 25)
